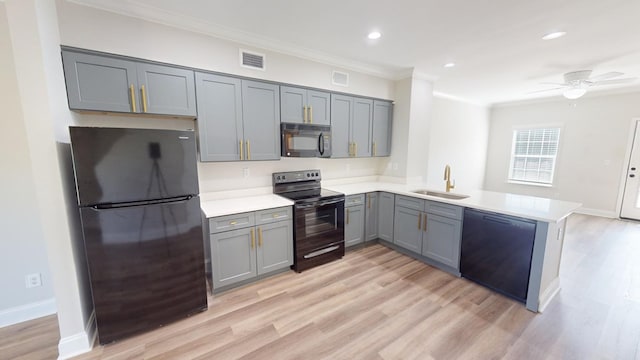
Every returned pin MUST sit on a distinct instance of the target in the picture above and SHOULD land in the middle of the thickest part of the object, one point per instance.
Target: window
(533, 155)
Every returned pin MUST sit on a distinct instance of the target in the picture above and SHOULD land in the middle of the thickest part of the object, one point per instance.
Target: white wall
(22, 240)
(458, 136)
(419, 124)
(94, 29)
(593, 145)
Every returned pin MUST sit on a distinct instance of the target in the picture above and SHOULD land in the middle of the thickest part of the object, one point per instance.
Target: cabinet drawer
(353, 200)
(231, 222)
(272, 215)
(446, 210)
(410, 202)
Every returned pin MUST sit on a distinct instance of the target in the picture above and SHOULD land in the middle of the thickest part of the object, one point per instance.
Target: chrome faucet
(447, 178)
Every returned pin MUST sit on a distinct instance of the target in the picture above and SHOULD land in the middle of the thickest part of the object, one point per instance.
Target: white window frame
(511, 179)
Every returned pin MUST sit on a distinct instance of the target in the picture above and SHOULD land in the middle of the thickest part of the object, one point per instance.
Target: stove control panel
(296, 176)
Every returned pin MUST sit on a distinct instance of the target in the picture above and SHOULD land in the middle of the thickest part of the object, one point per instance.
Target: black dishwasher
(496, 251)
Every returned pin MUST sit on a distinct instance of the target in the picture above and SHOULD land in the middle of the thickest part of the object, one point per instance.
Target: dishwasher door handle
(497, 220)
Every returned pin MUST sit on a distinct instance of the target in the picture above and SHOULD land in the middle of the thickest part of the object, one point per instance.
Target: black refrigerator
(141, 221)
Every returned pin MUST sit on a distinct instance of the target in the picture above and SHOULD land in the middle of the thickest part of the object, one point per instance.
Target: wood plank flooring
(378, 304)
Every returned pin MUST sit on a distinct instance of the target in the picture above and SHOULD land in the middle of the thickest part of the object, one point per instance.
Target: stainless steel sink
(444, 195)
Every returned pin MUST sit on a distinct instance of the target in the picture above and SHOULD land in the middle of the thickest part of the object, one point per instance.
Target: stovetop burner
(302, 186)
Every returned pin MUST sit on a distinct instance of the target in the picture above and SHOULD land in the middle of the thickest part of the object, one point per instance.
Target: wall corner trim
(78, 343)
(27, 312)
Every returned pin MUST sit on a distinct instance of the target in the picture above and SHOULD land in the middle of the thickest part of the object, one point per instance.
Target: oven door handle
(321, 252)
(318, 204)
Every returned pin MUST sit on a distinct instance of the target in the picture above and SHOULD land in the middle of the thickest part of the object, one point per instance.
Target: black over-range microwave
(305, 140)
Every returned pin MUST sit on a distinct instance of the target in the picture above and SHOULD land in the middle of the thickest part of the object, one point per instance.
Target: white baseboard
(79, 343)
(27, 312)
(548, 294)
(597, 212)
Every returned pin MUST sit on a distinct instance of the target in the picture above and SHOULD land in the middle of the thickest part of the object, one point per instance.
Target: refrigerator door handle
(141, 203)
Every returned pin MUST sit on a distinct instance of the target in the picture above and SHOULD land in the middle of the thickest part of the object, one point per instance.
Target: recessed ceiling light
(554, 35)
(449, 65)
(374, 35)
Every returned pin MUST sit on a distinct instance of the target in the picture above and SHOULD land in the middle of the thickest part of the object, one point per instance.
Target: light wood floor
(378, 304)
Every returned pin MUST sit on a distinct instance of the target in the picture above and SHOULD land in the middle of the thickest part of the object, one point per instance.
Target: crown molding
(558, 97)
(441, 95)
(157, 15)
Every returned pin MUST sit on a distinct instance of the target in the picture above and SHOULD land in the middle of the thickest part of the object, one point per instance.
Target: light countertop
(240, 204)
(524, 206)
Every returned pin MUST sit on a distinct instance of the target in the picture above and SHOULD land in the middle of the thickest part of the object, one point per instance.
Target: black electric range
(318, 233)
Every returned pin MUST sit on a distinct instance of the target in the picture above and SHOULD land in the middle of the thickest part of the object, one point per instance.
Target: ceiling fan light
(574, 93)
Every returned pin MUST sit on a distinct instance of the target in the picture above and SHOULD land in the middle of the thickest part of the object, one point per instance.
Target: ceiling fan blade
(539, 91)
(605, 76)
(615, 81)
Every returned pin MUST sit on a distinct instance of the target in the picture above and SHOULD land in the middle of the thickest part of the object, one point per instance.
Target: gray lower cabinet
(442, 240)
(299, 105)
(246, 245)
(382, 119)
(354, 214)
(386, 210)
(429, 228)
(233, 258)
(237, 119)
(99, 82)
(351, 126)
(407, 228)
(371, 217)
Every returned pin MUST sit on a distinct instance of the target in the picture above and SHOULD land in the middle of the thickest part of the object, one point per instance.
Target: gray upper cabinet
(351, 122)
(261, 120)
(299, 105)
(219, 117)
(361, 127)
(103, 83)
(371, 217)
(100, 83)
(166, 90)
(386, 210)
(237, 119)
(382, 121)
(341, 114)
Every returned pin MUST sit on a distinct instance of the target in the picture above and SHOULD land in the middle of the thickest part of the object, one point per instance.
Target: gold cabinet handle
(132, 93)
(350, 149)
(248, 150)
(368, 201)
(347, 216)
(275, 215)
(232, 222)
(241, 150)
(419, 221)
(253, 239)
(424, 224)
(260, 237)
(355, 149)
(144, 98)
(374, 148)
(304, 116)
(310, 114)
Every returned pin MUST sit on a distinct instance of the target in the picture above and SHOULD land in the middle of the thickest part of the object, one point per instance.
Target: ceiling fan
(576, 83)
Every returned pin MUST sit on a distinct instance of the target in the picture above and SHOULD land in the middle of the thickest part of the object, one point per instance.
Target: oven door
(319, 232)
(305, 140)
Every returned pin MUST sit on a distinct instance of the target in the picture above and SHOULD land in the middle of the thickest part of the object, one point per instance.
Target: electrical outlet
(33, 280)
(245, 172)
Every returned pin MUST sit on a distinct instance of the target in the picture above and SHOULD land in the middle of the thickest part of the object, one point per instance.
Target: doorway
(631, 197)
